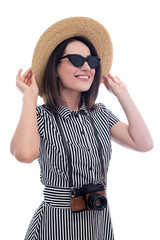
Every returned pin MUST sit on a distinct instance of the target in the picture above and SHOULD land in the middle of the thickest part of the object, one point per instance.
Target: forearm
(136, 125)
(25, 141)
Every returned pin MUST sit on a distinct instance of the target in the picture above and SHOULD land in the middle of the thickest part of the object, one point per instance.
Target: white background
(133, 178)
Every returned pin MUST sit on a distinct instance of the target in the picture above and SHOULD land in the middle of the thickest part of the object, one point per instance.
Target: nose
(85, 66)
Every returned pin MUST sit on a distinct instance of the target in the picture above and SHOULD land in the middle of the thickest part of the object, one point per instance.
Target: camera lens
(97, 202)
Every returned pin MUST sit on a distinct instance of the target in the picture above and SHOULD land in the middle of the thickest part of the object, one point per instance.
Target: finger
(19, 74)
(118, 81)
(118, 78)
(108, 80)
(108, 83)
(24, 76)
(105, 83)
(113, 78)
(28, 77)
(106, 77)
(110, 76)
(33, 78)
(29, 74)
(29, 82)
(26, 80)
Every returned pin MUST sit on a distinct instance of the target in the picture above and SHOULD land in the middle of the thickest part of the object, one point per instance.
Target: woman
(70, 134)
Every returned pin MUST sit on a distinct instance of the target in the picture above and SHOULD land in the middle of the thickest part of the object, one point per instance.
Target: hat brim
(67, 28)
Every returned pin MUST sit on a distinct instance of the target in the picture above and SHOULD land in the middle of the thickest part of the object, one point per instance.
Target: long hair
(50, 81)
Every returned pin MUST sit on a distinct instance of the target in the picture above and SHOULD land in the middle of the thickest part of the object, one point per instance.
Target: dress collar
(67, 113)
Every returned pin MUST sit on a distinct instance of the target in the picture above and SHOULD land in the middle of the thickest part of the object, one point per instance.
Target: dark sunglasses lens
(77, 61)
(93, 62)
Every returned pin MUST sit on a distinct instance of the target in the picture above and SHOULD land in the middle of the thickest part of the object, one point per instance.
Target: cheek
(66, 76)
(93, 71)
(60, 71)
(64, 71)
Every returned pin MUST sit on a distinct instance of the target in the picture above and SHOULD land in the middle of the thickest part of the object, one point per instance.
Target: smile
(82, 77)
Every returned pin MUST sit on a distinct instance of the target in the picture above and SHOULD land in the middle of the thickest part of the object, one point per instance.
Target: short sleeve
(40, 121)
(111, 118)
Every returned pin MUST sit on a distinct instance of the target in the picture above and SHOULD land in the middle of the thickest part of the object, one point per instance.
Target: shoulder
(45, 121)
(102, 113)
(100, 108)
(43, 111)
(44, 115)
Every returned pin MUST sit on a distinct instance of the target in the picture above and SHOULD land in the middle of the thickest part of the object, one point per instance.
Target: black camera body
(88, 197)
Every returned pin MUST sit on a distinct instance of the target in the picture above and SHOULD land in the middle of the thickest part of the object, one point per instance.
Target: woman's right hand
(27, 83)
(25, 142)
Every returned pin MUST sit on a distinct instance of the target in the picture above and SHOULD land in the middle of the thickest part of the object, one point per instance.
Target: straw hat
(66, 28)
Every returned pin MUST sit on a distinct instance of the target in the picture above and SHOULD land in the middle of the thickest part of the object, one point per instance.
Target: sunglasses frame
(87, 59)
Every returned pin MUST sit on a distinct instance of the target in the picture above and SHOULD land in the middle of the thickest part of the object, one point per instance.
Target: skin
(71, 85)
(26, 140)
(134, 135)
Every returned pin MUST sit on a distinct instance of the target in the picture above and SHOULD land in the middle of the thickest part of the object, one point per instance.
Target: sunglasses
(78, 60)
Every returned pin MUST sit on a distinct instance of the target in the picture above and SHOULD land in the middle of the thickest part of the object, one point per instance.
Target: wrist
(123, 95)
(126, 102)
(30, 97)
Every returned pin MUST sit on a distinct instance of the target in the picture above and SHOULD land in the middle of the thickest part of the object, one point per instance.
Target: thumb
(33, 78)
(107, 82)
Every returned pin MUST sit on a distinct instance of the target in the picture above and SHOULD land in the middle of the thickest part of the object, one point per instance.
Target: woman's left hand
(114, 85)
(135, 135)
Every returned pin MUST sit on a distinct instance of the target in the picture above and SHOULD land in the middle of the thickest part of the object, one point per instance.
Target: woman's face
(71, 78)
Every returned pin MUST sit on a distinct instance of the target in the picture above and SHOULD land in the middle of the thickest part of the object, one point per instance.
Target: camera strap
(68, 152)
(99, 149)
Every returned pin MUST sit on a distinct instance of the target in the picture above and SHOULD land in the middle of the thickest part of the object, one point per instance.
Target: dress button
(90, 168)
(82, 132)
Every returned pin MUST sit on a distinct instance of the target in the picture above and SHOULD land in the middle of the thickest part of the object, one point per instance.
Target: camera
(88, 197)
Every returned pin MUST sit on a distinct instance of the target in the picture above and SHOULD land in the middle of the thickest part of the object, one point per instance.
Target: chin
(84, 88)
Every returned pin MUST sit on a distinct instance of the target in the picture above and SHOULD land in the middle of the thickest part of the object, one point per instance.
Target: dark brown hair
(50, 81)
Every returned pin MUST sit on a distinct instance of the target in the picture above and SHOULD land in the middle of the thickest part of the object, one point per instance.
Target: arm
(26, 140)
(135, 135)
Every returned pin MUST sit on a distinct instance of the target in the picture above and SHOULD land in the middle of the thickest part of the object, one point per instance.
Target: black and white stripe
(53, 220)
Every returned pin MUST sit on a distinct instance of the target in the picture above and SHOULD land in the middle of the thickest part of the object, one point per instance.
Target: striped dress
(53, 219)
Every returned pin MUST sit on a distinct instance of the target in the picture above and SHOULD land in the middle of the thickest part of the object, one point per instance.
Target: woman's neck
(72, 101)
